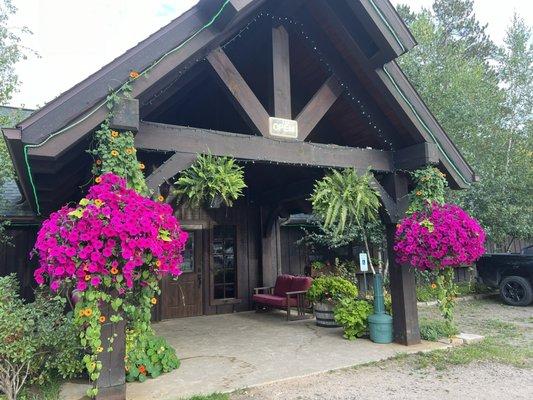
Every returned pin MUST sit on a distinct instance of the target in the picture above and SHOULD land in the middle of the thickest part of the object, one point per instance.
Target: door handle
(199, 277)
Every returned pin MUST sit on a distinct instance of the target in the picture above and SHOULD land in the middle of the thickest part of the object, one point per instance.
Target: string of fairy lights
(300, 29)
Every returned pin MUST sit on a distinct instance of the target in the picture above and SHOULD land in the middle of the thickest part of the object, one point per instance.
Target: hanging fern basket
(215, 202)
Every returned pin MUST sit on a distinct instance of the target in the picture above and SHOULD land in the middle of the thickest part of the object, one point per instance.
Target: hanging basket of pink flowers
(441, 236)
(114, 238)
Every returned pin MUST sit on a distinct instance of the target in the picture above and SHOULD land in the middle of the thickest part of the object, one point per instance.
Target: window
(224, 262)
(188, 254)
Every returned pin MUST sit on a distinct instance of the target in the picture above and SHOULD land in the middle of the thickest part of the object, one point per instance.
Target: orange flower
(142, 369)
(98, 179)
(98, 203)
(82, 313)
(114, 153)
(160, 198)
(88, 312)
(158, 263)
(134, 74)
(153, 300)
(129, 150)
(114, 270)
(101, 319)
(114, 134)
(433, 286)
(87, 277)
(99, 349)
(98, 162)
(419, 193)
(141, 166)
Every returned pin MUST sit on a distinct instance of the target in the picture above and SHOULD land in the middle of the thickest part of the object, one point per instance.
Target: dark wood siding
(14, 258)
(294, 257)
(246, 220)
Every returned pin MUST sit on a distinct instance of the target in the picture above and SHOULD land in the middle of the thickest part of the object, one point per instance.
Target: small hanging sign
(363, 262)
(281, 127)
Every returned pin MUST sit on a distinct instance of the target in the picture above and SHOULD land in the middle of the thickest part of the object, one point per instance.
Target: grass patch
(490, 349)
(214, 396)
(435, 329)
(505, 343)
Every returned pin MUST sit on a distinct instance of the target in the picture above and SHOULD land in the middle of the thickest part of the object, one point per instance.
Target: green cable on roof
(27, 146)
(437, 143)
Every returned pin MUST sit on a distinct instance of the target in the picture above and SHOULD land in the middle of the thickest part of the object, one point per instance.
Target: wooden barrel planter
(324, 315)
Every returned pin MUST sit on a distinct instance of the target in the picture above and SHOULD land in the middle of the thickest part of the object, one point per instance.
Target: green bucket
(380, 323)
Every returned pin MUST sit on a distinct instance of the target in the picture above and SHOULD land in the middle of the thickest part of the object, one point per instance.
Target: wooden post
(111, 383)
(402, 278)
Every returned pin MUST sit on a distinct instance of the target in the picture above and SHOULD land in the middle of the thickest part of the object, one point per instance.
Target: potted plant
(325, 292)
(211, 181)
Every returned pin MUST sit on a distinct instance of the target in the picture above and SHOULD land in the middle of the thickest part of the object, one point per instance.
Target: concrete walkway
(223, 353)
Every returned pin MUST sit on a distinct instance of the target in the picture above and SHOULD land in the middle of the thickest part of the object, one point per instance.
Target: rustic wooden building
(288, 88)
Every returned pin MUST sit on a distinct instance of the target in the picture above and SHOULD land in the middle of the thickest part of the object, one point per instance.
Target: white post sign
(363, 262)
(281, 127)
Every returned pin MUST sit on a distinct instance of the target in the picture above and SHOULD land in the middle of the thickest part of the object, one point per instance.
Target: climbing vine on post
(437, 237)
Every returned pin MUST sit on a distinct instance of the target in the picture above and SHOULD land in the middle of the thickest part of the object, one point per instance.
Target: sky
(74, 38)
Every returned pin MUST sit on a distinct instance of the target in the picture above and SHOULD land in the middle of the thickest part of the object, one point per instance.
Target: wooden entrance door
(183, 298)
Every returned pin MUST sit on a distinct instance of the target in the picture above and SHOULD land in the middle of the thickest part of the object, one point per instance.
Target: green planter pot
(380, 323)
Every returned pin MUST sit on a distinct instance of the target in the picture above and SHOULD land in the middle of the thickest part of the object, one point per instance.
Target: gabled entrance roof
(367, 37)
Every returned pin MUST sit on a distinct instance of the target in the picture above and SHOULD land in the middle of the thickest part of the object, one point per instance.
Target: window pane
(188, 254)
(224, 266)
(219, 291)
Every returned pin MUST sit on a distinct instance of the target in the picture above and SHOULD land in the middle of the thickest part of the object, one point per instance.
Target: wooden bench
(289, 292)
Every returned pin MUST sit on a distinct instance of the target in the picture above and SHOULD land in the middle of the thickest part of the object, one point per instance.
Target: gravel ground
(405, 379)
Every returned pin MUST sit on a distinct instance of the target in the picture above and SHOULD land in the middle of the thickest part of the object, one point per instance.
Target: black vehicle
(512, 273)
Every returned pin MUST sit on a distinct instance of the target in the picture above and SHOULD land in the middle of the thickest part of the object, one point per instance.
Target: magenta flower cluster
(113, 236)
(443, 236)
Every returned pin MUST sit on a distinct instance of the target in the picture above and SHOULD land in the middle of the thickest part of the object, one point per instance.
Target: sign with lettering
(281, 127)
(363, 262)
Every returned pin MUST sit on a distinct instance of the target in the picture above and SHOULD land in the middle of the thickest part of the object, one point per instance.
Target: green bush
(211, 177)
(331, 289)
(149, 356)
(37, 340)
(434, 330)
(353, 316)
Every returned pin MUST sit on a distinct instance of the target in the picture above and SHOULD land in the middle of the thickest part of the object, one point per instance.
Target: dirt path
(487, 371)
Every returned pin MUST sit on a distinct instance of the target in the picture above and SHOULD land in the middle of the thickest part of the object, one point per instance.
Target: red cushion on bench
(300, 283)
(274, 301)
(283, 285)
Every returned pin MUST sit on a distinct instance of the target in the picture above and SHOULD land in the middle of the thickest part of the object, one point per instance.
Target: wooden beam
(415, 156)
(162, 137)
(176, 163)
(332, 45)
(239, 89)
(281, 72)
(318, 106)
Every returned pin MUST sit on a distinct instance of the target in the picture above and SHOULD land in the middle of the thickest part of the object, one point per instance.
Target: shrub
(331, 289)
(434, 330)
(353, 316)
(211, 177)
(149, 356)
(37, 340)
